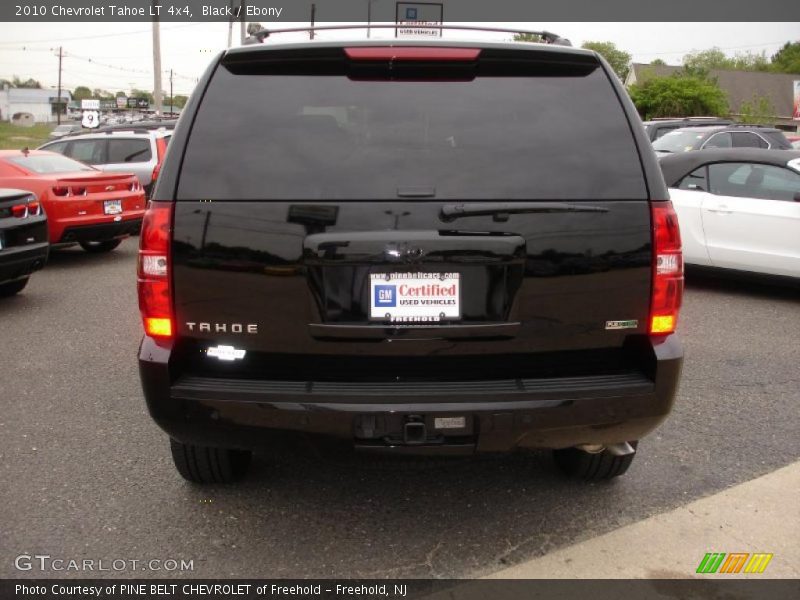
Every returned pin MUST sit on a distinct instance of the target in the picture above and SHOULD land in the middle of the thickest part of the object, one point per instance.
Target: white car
(738, 208)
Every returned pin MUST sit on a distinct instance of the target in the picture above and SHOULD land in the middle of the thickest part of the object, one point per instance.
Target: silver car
(140, 152)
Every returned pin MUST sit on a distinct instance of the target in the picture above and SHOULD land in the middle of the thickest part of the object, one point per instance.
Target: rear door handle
(721, 209)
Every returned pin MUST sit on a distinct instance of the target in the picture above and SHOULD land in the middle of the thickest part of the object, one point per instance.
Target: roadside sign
(412, 17)
(91, 119)
(122, 101)
(796, 103)
(90, 104)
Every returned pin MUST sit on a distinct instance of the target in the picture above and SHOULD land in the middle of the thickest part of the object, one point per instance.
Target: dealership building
(27, 106)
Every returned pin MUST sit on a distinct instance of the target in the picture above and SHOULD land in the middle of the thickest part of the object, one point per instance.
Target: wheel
(14, 287)
(592, 466)
(100, 247)
(204, 464)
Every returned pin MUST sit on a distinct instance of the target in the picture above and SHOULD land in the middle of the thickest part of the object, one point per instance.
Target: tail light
(135, 186)
(667, 293)
(65, 191)
(20, 211)
(161, 150)
(34, 208)
(153, 285)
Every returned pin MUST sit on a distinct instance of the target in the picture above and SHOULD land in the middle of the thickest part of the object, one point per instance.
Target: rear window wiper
(501, 210)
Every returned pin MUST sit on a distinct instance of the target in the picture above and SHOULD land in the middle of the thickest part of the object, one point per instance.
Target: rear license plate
(112, 207)
(415, 297)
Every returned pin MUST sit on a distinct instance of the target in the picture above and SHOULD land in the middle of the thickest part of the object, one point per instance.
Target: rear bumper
(497, 415)
(99, 232)
(18, 262)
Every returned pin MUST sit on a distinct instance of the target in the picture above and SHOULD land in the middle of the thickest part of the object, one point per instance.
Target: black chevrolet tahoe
(401, 244)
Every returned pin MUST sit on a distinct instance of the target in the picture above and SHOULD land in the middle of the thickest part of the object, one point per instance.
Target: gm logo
(385, 295)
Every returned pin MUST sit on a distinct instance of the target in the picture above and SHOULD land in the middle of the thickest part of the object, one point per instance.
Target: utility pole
(171, 101)
(313, 13)
(157, 95)
(58, 99)
(242, 24)
(230, 23)
(369, 17)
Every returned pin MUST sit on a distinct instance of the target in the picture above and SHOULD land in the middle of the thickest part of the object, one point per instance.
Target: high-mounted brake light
(667, 292)
(410, 53)
(155, 299)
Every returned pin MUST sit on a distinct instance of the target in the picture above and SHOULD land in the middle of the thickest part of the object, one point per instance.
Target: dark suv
(394, 243)
(725, 136)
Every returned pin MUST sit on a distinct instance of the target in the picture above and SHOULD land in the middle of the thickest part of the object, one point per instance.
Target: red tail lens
(161, 148)
(34, 209)
(667, 294)
(20, 211)
(155, 298)
(412, 53)
(61, 191)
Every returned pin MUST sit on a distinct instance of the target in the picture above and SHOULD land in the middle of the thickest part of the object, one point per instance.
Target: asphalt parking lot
(88, 475)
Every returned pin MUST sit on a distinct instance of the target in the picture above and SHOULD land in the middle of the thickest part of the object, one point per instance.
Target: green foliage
(27, 83)
(657, 61)
(618, 59)
(253, 28)
(680, 95)
(758, 111)
(180, 101)
(787, 59)
(142, 94)
(700, 63)
(81, 93)
(527, 37)
(102, 94)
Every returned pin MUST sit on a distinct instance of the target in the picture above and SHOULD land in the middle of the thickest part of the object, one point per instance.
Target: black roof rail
(548, 36)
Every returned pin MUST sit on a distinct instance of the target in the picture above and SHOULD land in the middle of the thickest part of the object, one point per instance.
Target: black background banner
(454, 11)
(717, 586)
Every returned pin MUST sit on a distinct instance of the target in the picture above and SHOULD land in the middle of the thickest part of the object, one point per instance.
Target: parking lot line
(756, 517)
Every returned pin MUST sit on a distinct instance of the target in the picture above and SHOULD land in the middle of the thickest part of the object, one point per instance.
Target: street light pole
(58, 98)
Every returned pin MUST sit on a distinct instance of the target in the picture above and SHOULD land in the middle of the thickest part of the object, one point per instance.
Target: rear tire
(100, 247)
(204, 464)
(592, 467)
(14, 287)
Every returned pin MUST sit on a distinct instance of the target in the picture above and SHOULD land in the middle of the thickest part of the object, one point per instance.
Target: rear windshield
(49, 163)
(678, 141)
(554, 136)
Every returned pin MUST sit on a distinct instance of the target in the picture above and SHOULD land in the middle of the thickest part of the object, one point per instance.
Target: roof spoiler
(547, 37)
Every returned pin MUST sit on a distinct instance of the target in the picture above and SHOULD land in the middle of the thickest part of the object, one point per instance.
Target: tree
(527, 37)
(787, 59)
(121, 94)
(102, 94)
(751, 62)
(81, 93)
(253, 28)
(680, 95)
(619, 60)
(758, 111)
(700, 63)
(27, 83)
(142, 94)
(657, 61)
(180, 100)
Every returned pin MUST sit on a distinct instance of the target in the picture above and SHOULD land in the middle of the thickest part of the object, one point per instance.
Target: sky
(118, 56)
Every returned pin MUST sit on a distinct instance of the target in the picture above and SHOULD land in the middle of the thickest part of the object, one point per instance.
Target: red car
(84, 205)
